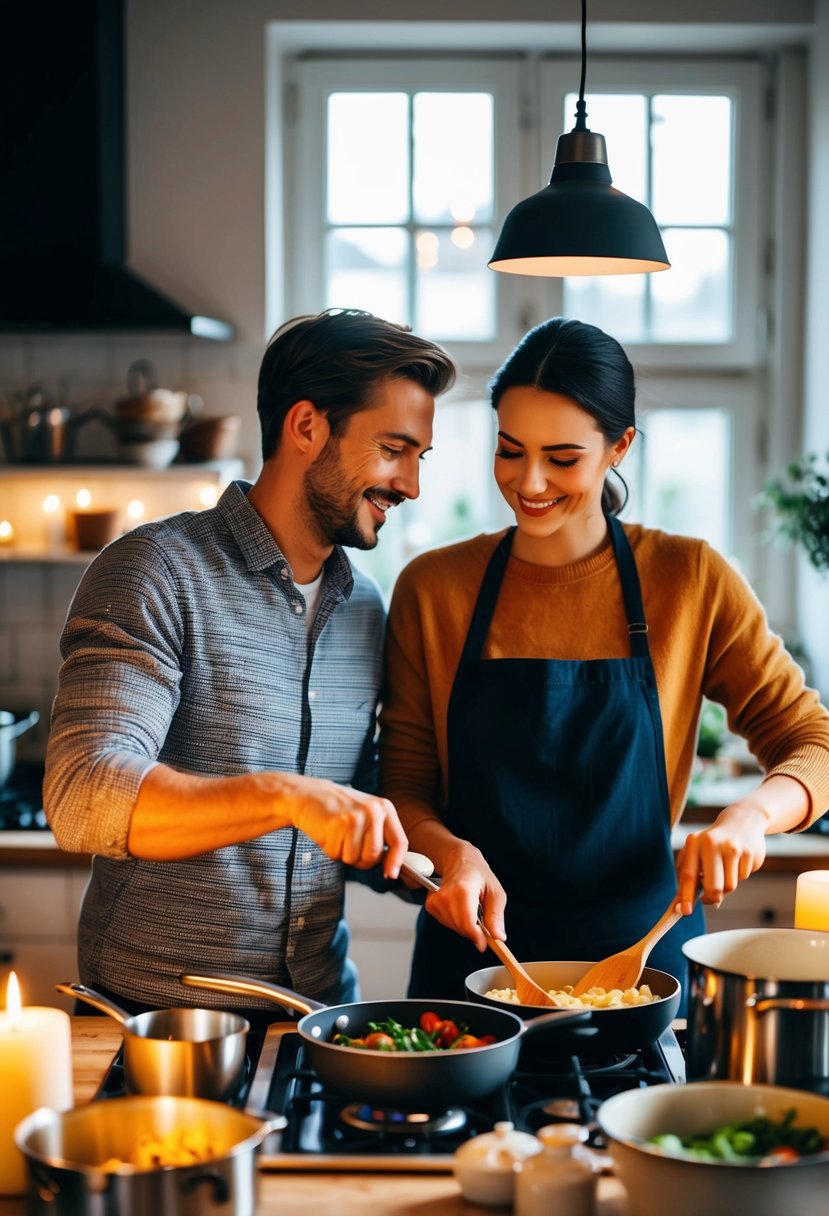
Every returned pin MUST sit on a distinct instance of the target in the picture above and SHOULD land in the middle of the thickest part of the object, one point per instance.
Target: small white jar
(557, 1179)
(485, 1165)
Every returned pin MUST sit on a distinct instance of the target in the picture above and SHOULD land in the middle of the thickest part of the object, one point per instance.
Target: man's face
(372, 467)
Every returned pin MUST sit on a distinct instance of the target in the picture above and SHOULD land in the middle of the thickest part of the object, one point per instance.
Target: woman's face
(550, 466)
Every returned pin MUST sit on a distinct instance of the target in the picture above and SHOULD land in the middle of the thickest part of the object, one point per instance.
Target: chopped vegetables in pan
(433, 1034)
(594, 998)
(759, 1141)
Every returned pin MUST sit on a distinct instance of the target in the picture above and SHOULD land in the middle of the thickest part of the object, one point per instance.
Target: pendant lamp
(579, 224)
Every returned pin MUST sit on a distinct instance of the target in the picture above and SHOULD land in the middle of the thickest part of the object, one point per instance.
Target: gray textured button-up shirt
(186, 643)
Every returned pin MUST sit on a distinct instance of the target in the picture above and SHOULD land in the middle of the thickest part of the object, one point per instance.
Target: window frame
(311, 78)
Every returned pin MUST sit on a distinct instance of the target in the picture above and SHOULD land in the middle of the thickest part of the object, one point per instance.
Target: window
(401, 171)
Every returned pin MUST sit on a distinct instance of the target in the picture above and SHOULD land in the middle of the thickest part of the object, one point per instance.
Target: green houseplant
(799, 506)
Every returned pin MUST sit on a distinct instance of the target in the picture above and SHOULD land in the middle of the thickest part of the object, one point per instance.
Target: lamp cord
(581, 107)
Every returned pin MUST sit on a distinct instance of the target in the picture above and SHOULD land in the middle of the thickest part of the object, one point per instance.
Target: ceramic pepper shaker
(485, 1165)
(556, 1179)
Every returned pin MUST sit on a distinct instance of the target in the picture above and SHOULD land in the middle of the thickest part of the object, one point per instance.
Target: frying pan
(408, 1079)
(624, 1029)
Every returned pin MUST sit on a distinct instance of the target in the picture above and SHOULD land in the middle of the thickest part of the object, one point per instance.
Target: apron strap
(487, 599)
(631, 590)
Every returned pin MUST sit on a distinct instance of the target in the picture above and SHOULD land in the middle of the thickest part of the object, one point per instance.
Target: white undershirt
(310, 592)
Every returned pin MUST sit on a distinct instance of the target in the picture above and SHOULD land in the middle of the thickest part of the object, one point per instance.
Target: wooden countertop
(282, 1193)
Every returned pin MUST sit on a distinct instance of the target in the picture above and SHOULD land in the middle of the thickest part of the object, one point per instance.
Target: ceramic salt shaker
(556, 1179)
(485, 1165)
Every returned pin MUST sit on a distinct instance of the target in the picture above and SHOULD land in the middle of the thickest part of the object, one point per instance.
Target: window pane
(615, 304)
(364, 186)
(453, 158)
(366, 268)
(681, 478)
(691, 159)
(622, 119)
(455, 289)
(692, 300)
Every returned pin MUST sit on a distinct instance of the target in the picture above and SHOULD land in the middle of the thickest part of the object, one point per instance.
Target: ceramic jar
(485, 1165)
(556, 1179)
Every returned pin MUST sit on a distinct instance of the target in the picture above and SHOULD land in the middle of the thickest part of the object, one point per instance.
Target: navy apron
(557, 774)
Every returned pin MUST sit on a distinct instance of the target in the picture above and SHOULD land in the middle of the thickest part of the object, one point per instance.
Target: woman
(544, 691)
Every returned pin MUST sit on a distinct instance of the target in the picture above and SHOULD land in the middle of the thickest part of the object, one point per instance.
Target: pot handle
(548, 1021)
(24, 724)
(223, 981)
(769, 1004)
(96, 999)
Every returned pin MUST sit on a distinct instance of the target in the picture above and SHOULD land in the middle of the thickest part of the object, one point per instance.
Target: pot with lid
(40, 432)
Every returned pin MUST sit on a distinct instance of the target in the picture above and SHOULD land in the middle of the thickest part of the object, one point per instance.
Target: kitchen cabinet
(39, 908)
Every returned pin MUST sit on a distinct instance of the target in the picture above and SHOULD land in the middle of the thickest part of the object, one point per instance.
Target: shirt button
(283, 573)
(298, 609)
(312, 694)
(306, 857)
(300, 922)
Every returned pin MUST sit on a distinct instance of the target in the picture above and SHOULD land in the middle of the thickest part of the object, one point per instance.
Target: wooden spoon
(623, 970)
(526, 989)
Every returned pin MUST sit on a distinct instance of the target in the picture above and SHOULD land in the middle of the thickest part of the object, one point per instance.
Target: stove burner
(387, 1119)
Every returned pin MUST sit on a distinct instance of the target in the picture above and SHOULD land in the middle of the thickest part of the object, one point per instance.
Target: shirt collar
(258, 547)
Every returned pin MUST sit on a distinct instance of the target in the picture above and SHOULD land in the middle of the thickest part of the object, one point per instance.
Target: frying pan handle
(223, 981)
(546, 1021)
(95, 999)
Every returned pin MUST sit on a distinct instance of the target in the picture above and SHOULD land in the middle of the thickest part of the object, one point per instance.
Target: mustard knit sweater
(708, 635)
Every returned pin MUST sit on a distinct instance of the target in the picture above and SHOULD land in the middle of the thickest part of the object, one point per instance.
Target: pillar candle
(811, 904)
(35, 1071)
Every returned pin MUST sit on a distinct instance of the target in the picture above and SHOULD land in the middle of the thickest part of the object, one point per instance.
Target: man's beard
(331, 502)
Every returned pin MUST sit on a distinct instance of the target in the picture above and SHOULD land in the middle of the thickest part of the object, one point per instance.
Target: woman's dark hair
(583, 363)
(335, 359)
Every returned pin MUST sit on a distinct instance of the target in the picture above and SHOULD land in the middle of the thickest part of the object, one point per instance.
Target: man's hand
(349, 826)
(722, 855)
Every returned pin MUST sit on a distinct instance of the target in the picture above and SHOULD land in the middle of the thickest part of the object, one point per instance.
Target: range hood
(63, 200)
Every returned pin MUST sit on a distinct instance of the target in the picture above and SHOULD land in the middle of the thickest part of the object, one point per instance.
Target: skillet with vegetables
(432, 1034)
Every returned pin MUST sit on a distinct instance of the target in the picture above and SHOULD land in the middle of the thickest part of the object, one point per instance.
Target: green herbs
(759, 1141)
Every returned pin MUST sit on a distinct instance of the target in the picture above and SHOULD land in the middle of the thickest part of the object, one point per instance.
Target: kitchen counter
(95, 1041)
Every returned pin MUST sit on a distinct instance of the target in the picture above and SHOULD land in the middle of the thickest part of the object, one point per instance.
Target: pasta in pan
(594, 998)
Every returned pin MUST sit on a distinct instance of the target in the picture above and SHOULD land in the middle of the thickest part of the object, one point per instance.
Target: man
(213, 730)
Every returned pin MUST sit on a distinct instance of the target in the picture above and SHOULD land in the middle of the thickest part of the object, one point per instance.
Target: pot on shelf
(40, 432)
(10, 729)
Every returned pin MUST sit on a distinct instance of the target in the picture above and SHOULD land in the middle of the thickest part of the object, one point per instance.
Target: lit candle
(811, 901)
(6, 532)
(54, 528)
(35, 1071)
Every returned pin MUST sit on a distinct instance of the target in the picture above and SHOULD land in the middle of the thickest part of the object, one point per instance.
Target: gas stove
(328, 1131)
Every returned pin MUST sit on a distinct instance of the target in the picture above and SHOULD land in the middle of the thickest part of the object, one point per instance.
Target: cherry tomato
(781, 1154)
(447, 1033)
(429, 1021)
(378, 1041)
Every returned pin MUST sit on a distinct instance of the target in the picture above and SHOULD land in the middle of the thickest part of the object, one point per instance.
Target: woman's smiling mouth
(538, 506)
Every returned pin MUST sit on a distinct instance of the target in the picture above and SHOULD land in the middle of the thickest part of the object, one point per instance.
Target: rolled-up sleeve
(118, 690)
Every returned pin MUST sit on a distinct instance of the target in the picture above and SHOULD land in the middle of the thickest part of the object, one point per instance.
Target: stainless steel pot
(11, 729)
(759, 1007)
(186, 1052)
(40, 432)
(65, 1152)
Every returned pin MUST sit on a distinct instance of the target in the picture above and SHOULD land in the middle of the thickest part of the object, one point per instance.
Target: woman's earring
(615, 464)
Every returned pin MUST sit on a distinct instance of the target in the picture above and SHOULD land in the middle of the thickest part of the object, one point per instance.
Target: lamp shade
(579, 224)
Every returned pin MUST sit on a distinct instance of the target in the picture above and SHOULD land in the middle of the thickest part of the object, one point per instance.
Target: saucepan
(759, 1007)
(93, 1161)
(402, 1078)
(624, 1028)
(176, 1052)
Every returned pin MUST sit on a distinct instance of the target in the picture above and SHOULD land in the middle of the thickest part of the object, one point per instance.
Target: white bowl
(152, 454)
(657, 1183)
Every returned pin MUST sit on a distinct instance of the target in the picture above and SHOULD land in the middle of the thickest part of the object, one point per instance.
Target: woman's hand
(719, 857)
(468, 884)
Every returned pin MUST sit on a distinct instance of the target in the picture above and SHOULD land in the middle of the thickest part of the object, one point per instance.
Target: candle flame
(51, 504)
(13, 1003)
(6, 530)
(83, 499)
